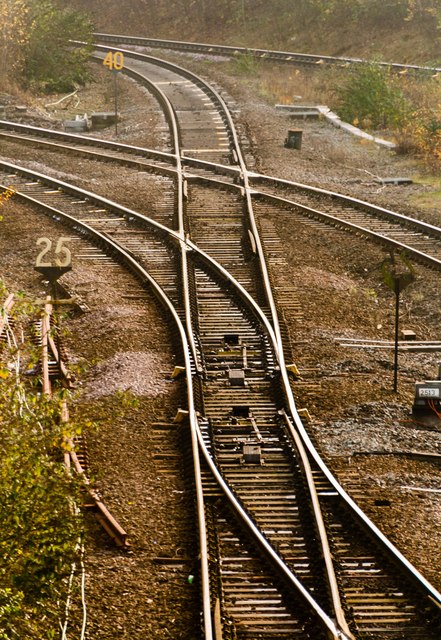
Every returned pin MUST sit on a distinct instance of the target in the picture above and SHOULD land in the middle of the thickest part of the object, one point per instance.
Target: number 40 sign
(114, 60)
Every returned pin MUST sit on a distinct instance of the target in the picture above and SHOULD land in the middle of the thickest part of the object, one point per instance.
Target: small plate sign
(427, 392)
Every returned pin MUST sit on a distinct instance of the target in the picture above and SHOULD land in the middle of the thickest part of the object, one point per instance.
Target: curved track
(394, 231)
(265, 54)
(326, 570)
(233, 418)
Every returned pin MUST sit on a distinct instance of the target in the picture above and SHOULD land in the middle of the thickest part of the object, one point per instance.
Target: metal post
(115, 84)
(397, 305)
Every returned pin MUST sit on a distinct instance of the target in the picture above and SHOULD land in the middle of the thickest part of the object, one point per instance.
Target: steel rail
(260, 252)
(159, 94)
(264, 54)
(112, 526)
(326, 620)
(176, 146)
(145, 277)
(234, 139)
(173, 234)
(400, 219)
(257, 243)
(45, 331)
(75, 138)
(107, 521)
(262, 318)
(435, 597)
(378, 238)
(166, 161)
(295, 425)
(416, 576)
(244, 175)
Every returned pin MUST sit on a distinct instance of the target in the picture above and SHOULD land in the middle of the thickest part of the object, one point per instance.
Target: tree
(35, 44)
(13, 36)
(51, 61)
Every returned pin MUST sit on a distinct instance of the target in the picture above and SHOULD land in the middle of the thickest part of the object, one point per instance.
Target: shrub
(370, 96)
(35, 44)
(39, 529)
(245, 64)
(422, 135)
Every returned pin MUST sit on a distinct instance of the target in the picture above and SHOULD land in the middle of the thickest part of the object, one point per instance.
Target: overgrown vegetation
(40, 530)
(276, 24)
(374, 97)
(35, 51)
(403, 107)
(371, 97)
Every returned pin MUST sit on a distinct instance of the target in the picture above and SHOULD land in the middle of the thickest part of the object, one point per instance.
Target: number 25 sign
(60, 256)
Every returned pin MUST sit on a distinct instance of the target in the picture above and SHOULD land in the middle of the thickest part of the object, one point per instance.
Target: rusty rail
(103, 515)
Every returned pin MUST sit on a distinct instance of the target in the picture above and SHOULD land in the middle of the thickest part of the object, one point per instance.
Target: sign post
(397, 281)
(115, 61)
(53, 261)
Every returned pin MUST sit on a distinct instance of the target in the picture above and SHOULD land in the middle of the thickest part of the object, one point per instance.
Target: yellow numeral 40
(114, 60)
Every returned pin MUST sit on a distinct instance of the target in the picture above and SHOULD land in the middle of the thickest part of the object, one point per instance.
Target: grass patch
(430, 199)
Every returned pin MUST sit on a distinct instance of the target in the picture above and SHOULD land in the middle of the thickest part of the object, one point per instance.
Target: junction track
(244, 421)
(392, 230)
(237, 422)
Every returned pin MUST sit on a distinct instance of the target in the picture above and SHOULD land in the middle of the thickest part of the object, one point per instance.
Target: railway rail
(323, 570)
(392, 230)
(200, 122)
(252, 428)
(53, 369)
(264, 54)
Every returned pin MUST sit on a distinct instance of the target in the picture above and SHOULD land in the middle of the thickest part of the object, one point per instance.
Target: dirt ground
(364, 430)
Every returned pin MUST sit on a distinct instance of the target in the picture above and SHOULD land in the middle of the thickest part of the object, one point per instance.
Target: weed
(245, 64)
(370, 96)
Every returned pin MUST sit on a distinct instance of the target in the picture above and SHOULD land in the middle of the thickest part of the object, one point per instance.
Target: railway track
(394, 231)
(239, 427)
(326, 571)
(264, 54)
(52, 370)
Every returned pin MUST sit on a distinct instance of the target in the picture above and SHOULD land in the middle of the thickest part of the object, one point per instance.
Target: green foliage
(39, 529)
(35, 48)
(245, 64)
(51, 62)
(369, 96)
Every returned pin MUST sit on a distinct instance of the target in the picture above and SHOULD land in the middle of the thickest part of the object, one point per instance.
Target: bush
(39, 529)
(51, 62)
(35, 44)
(370, 96)
(422, 135)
